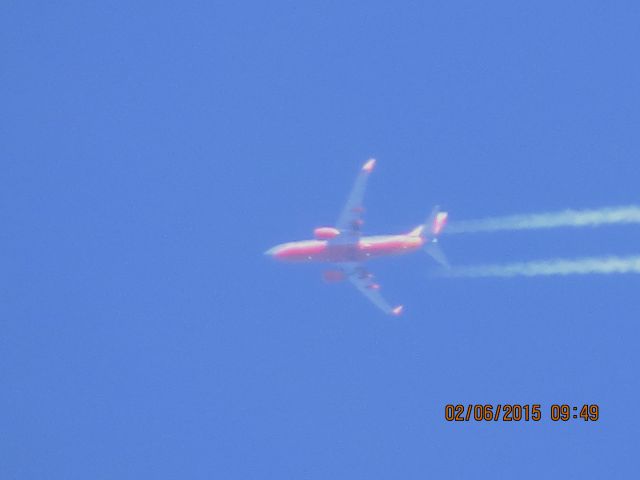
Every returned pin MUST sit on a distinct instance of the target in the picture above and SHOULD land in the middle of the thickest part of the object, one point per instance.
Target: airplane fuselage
(365, 249)
(342, 245)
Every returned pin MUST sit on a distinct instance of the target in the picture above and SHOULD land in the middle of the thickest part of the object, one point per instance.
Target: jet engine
(326, 233)
(333, 276)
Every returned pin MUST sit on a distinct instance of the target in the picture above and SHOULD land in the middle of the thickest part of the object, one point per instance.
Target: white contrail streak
(579, 266)
(566, 218)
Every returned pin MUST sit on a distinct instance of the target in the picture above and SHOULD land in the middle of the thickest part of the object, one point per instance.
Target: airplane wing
(350, 219)
(360, 277)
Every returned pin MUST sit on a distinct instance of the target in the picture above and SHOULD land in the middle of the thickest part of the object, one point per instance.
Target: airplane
(347, 249)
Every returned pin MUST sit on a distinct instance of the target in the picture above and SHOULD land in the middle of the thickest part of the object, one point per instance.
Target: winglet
(368, 167)
(398, 310)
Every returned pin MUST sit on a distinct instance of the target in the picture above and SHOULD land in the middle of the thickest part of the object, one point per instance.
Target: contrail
(566, 218)
(579, 266)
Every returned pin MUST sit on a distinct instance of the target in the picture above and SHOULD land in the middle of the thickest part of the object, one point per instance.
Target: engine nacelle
(326, 233)
(333, 276)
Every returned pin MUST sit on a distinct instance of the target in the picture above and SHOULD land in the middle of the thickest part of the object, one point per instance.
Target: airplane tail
(430, 231)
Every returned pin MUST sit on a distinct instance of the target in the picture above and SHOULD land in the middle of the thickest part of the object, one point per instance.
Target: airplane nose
(271, 252)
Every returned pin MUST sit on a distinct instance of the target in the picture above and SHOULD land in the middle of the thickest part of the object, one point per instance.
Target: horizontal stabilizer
(433, 249)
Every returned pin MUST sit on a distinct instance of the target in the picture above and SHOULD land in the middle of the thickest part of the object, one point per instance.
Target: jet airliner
(343, 245)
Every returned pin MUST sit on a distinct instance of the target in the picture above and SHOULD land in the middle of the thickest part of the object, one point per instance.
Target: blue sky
(153, 150)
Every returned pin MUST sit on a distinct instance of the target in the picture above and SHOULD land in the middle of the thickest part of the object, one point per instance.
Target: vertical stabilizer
(430, 231)
(434, 225)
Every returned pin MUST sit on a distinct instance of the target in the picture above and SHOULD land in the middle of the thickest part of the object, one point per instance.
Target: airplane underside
(323, 251)
(344, 246)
